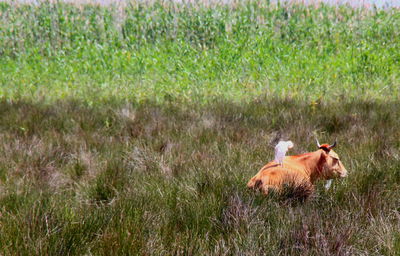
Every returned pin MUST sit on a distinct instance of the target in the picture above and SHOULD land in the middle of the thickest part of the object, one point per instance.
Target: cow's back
(274, 176)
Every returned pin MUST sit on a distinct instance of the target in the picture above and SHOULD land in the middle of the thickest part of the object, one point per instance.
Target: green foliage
(195, 53)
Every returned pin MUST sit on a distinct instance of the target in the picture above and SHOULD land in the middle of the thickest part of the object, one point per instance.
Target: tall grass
(163, 180)
(133, 129)
(196, 52)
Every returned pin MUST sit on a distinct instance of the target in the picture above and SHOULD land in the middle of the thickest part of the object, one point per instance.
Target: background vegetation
(195, 52)
(134, 129)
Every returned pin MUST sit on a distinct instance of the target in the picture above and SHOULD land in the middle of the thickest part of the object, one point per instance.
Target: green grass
(163, 179)
(194, 53)
(133, 130)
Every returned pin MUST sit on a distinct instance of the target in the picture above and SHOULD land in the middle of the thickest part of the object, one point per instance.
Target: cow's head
(331, 166)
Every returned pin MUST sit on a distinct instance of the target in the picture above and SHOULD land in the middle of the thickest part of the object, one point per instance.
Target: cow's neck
(313, 164)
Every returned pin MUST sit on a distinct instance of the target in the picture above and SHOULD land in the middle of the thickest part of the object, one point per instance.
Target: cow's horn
(318, 143)
(333, 145)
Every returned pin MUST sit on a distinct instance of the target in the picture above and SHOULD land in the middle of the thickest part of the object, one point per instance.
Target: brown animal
(300, 170)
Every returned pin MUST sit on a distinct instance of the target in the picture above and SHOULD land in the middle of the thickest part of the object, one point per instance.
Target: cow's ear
(333, 154)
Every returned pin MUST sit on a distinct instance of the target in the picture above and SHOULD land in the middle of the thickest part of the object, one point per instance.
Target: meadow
(197, 53)
(133, 129)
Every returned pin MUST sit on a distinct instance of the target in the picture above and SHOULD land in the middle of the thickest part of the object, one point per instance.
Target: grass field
(133, 130)
(196, 53)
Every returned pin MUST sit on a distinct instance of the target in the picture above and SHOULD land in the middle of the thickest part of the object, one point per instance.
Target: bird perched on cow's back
(280, 151)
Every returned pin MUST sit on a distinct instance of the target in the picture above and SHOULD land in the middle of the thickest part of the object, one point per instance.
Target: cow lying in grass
(299, 171)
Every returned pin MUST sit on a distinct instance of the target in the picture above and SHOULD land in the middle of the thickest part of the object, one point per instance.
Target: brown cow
(300, 170)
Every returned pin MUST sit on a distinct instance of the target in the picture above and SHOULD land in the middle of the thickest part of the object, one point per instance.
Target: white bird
(280, 151)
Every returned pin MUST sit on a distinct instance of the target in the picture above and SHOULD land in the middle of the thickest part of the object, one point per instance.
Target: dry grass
(151, 179)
